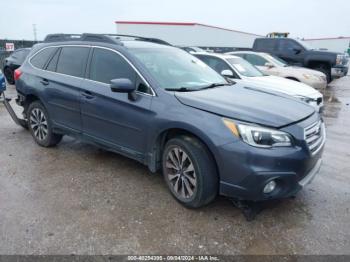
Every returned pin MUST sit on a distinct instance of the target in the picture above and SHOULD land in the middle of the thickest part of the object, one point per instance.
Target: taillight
(17, 74)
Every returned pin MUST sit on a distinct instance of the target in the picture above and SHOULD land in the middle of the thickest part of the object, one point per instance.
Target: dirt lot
(77, 199)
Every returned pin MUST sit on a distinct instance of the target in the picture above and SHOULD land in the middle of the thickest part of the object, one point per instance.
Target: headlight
(305, 99)
(339, 59)
(259, 136)
(307, 76)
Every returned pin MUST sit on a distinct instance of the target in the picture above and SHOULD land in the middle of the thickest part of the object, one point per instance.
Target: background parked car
(272, 65)
(13, 62)
(2, 83)
(193, 49)
(242, 71)
(299, 53)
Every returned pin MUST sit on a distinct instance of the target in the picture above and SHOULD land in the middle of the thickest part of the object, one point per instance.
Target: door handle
(87, 95)
(44, 81)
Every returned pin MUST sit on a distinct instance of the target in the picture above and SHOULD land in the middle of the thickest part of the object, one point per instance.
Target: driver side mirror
(269, 65)
(122, 85)
(227, 73)
(297, 50)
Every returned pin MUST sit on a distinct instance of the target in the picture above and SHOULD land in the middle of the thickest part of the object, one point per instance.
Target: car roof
(219, 55)
(246, 52)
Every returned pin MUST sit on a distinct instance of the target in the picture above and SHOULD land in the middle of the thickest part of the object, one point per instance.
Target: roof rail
(81, 37)
(141, 38)
(106, 38)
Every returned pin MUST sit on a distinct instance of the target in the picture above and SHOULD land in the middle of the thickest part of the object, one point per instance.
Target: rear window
(264, 44)
(40, 59)
(72, 61)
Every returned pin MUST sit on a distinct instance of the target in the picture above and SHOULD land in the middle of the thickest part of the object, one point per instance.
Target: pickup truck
(297, 52)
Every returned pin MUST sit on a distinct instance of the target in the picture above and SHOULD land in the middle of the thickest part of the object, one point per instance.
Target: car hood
(283, 85)
(248, 104)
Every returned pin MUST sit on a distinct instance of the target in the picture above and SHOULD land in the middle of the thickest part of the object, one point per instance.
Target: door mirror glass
(122, 85)
(227, 73)
(269, 65)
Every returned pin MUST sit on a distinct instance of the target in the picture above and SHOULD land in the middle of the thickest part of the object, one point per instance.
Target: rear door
(113, 118)
(62, 80)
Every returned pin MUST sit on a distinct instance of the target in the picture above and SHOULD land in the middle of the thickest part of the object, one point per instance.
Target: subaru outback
(165, 108)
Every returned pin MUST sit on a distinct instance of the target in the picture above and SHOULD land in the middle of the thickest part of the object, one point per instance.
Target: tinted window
(288, 45)
(72, 61)
(20, 55)
(40, 59)
(107, 65)
(265, 44)
(255, 60)
(51, 66)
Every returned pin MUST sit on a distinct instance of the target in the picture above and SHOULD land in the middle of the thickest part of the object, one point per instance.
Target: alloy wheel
(181, 173)
(38, 124)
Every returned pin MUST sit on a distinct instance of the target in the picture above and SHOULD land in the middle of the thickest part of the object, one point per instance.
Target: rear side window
(107, 65)
(265, 44)
(41, 58)
(72, 61)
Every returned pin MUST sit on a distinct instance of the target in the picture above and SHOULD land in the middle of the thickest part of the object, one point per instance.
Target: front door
(115, 119)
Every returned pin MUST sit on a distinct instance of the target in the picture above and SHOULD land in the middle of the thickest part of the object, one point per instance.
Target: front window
(244, 68)
(304, 44)
(173, 68)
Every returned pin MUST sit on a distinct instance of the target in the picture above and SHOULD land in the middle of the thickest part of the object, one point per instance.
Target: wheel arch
(158, 143)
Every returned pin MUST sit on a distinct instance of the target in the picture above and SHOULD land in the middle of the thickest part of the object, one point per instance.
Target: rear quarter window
(40, 59)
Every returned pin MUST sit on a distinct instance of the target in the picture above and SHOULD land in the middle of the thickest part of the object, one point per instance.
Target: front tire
(40, 126)
(189, 172)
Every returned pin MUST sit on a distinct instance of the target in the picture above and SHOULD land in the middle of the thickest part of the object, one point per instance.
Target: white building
(188, 34)
(340, 44)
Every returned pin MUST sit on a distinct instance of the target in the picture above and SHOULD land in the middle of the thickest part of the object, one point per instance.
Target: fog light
(270, 187)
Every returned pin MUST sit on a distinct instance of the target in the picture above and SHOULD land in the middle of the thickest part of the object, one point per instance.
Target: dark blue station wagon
(168, 110)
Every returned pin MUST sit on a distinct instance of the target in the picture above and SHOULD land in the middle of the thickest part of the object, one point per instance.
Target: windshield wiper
(213, 85)
(181, 89)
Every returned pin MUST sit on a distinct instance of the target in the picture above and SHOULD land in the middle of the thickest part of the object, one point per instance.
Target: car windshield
(175, 69)
(244, 67)
(276, 60)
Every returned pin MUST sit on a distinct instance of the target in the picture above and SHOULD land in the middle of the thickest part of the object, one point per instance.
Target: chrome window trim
(101, 47)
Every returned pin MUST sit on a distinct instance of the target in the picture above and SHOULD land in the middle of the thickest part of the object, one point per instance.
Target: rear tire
(189, 171)
(9, 76)
(40, 125)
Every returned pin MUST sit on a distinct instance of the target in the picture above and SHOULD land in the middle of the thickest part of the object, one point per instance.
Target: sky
(302, 18)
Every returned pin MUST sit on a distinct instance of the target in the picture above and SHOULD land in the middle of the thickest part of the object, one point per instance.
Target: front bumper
(339, 71)
(245, 170)
(318, 84)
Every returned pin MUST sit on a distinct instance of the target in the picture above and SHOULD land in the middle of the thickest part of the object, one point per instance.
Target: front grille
(315, 136)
